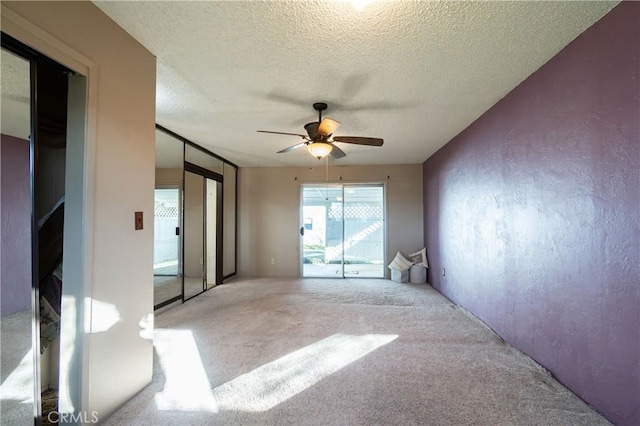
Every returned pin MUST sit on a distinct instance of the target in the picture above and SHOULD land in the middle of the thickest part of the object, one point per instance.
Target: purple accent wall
(15, 213)
(533, 211)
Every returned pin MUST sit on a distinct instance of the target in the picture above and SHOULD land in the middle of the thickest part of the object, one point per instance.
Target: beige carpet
(16, 369)
(340, 352)
(165, 288)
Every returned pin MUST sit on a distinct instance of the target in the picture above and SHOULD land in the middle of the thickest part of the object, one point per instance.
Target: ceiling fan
(319, 138)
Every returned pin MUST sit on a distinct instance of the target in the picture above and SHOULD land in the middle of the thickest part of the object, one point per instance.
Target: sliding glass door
(321, 231)
(363, 219)
(342, 230)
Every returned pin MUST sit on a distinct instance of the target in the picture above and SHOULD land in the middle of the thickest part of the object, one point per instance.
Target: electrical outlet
(443, 272)
(273, 261)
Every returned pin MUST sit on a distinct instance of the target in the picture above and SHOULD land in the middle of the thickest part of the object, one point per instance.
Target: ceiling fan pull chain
(326, 162)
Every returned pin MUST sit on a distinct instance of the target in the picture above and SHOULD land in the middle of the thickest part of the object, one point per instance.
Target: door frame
(206, 174)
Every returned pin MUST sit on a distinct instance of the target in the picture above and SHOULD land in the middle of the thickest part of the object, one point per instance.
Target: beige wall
(269, 212)
(169, 177)
(116, 358)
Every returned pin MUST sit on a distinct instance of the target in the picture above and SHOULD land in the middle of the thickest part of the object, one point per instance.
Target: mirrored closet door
(167, 220)
(42, 147)
(195, 219)
(17, 373)
(194, 213)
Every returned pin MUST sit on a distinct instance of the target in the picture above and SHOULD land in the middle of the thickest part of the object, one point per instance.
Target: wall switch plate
(273, 261)
(443, 272)
(139, 221)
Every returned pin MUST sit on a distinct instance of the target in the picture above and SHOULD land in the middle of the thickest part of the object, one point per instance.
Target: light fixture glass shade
(319, 149)
(327, 126)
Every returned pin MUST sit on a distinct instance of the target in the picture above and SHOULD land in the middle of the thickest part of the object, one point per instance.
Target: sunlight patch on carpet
(186, 386)
(274, 383)
(19, 384)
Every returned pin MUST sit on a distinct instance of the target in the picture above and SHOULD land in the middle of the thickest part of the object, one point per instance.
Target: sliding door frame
(343, 185)
(205, 174)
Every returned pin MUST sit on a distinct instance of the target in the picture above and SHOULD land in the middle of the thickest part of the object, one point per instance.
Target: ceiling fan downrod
(320, 106)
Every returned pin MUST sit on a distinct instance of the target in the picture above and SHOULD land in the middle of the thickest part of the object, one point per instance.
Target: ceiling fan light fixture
(319, 149)
(327, 126)
(319, 137)
(359, 5)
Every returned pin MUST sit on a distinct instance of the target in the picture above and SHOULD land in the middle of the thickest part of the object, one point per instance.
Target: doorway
(342, 230)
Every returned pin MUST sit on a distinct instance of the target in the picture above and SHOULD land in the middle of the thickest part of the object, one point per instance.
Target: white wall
(116, 360)
(269, 212)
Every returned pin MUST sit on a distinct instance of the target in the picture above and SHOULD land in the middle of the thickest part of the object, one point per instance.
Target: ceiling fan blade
(312, 130)
(285, 96)
(292, 147)
(359, 140)
(328, 126)
(337, 152)
(281, 133)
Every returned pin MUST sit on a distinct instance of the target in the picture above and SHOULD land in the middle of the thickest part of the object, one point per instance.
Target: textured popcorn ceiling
(415, 73)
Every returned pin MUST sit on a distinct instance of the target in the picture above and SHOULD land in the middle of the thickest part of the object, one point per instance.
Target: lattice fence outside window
(165, 209)
(355, 211)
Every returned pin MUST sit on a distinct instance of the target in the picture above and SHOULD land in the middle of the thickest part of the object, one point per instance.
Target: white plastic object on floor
(399, 276)
(418, 274)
